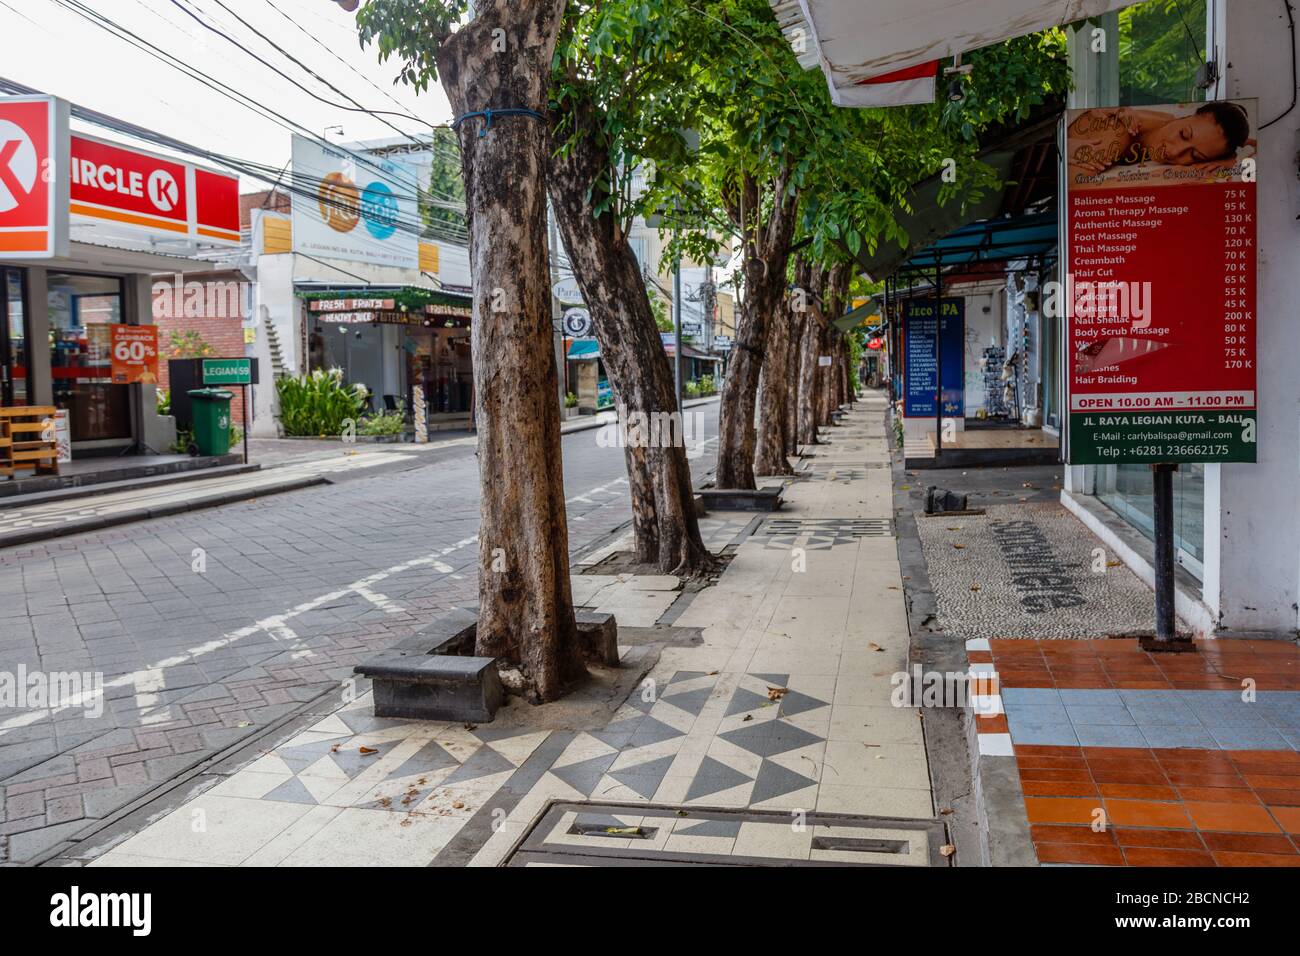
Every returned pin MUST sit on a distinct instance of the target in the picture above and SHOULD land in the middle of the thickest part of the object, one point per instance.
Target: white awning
(858, 41)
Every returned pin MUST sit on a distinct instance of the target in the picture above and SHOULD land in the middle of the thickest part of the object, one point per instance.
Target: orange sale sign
(135, 354)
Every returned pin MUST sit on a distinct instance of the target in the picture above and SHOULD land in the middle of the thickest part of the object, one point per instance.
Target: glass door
(13, 338)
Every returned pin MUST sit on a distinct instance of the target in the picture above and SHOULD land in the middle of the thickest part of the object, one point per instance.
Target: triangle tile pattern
(769, 737)
(644, 778)
(776, 781)
(481, 763)
(585, 774)
(796, 703)
(714, 777)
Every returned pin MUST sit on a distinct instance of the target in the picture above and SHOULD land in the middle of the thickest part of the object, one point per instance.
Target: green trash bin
(211, 412)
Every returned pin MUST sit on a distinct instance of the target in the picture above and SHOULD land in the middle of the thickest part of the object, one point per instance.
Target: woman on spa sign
(1207, 139)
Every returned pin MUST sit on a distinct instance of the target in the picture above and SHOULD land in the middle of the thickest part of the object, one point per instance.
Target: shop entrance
(438, 360)
(81, 308)
(14, 360)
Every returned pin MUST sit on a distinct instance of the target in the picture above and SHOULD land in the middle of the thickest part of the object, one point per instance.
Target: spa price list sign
(1160, 289)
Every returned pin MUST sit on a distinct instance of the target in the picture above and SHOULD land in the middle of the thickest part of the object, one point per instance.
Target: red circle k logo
(162, 190)
(18, 165)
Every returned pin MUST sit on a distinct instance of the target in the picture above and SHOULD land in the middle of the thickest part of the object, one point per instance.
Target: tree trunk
(774, 396)
(807, 394)
(766, 253)
(666, 528)
(525, 602)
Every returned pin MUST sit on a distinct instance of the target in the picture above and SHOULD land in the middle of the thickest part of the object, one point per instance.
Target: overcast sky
(53, 49)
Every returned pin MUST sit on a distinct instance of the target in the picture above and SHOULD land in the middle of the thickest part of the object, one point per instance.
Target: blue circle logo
(379, 210)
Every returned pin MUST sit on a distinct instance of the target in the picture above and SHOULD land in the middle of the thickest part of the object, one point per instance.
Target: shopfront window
(438, 360)
(1127, 490)
(14, 361)
(81, 309)
(1161, 46)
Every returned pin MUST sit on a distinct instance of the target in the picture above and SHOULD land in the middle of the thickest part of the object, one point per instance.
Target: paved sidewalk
(756, 726)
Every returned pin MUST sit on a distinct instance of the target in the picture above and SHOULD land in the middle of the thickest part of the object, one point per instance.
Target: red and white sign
(132, 187)
(134, 351)
(33, 190)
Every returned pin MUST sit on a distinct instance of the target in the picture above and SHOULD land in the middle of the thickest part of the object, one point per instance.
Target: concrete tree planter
(739, 499)
(435, 675)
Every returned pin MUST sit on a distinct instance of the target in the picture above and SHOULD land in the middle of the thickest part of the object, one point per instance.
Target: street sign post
(233, 371)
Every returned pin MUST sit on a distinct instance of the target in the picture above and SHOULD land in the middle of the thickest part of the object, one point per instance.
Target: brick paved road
(294, 589)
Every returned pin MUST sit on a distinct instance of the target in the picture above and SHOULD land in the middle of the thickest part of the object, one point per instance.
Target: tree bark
(807, 401)
(665, 525)
(766, 243)
(525, 602)
(774, 396)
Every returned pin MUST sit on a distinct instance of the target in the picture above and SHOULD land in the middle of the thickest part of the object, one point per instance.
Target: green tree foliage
(1161, 43)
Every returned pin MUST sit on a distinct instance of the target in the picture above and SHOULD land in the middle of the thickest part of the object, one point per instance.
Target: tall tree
(500, 60)
(617, 90)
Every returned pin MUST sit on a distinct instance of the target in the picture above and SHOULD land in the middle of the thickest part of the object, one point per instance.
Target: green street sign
(228, 371)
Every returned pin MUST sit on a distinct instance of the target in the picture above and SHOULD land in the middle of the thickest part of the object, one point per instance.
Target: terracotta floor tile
(1059, 809)
(1168, 839)
(1111, 772)
(1158, 856)
(979, 657)
(1124, 683)
(1217, 795)
(1269, 781)
(1248, 842)
(1051, 833)
(1079, 853)
(1060, 788)
(1235, 817)
(1280, 798)
(1084, 683)
(1180, 779)
(1052, 773)
(1146, 813)
(992, 724)
(1035, 761)
(1138, 791)
(1225, 858)
(1288, 817)
(1093, 754)
(1046, 750)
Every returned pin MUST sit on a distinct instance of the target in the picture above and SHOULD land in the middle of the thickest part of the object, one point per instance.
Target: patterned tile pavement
(1127, 758)
(782, 708)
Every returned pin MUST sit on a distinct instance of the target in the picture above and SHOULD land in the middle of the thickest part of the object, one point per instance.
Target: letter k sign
(18, 167)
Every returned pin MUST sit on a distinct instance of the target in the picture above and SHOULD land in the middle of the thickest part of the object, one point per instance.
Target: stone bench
(433, 675)
(737, 499)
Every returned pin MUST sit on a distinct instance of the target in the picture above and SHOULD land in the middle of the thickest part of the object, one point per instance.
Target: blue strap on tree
(488, 115)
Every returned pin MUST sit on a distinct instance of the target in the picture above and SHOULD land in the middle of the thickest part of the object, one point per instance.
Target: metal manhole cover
(611, 834)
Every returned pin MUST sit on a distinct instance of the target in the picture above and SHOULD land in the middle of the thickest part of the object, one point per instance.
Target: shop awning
(857, 43)
(993, 240)
(580, 349)
(856, 317)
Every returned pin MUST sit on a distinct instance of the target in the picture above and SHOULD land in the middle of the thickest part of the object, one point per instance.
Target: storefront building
(110, 227)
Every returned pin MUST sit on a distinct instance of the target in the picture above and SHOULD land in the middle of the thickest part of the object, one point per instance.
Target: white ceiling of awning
(859, 39)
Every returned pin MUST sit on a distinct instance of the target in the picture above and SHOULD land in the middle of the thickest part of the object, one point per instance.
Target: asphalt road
(188, 633)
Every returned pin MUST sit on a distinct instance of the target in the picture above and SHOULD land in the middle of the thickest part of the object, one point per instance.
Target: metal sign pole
(1163, 493)
(244, 391)
(938, 362)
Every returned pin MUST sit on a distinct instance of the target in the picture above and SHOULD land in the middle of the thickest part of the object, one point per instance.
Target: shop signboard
(1160, 292)
(133, 352)
(120, 186)
(921, 336)
(356, 207)
(33, 177)
(350, 305)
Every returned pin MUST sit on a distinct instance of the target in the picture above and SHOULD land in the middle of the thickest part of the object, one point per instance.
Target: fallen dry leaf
(959, 547)
(368, 750)
(458, 805)
(875, 647)
(947, 849)
(974, 587)
(944, 813)
(776, 693)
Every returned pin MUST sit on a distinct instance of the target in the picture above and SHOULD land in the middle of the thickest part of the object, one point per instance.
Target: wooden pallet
(27, 440)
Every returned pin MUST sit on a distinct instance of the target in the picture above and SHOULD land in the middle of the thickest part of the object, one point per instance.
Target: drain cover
(607, 834)
(835, 527)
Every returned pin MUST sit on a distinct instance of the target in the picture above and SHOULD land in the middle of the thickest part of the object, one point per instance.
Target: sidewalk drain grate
(836, 527)
(572, 833)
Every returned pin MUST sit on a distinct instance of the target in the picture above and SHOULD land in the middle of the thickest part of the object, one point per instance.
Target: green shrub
(570, 400)
(692, 389)
(389, 423)
(163, 396)
(319, 403)
(707, 386)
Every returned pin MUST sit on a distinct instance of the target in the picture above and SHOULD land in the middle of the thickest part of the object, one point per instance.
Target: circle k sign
(32, 131)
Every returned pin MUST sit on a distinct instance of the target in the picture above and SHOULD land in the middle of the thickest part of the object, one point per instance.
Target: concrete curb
(99, 522)
(947, 729)
(128, 484)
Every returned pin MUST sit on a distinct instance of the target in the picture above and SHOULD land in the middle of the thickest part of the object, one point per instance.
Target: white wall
(1252, 512)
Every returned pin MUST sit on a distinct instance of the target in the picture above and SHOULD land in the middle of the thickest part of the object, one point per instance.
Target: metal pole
(1163, 481)
(938, 362)
(677, 326)
(244, 390)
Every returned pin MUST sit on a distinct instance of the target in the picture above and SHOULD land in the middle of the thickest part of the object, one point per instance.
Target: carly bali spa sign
(1160, 290)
